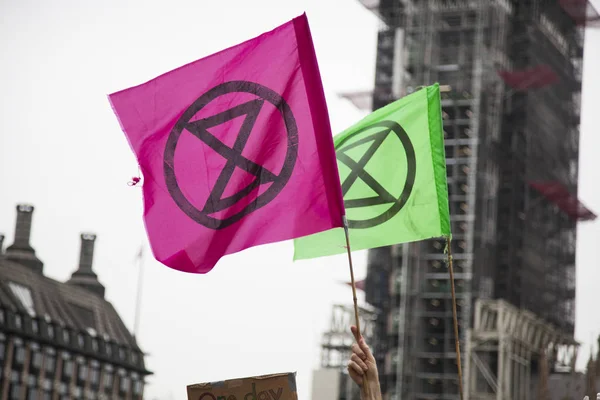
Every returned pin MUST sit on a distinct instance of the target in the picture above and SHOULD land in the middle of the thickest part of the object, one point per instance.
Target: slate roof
(65, 304)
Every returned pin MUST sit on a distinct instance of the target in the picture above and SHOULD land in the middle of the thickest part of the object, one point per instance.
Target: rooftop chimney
(21, 251)
(86, 255)
(85, 276)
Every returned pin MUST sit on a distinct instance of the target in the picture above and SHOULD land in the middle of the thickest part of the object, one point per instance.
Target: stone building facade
(61, 340)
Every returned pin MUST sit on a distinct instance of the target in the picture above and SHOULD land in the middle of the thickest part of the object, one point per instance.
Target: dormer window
(23, 294)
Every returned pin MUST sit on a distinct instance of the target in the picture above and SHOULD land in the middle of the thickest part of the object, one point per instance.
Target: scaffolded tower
(511, 72)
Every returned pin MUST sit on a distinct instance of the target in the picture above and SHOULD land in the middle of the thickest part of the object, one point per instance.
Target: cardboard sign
(267, 387)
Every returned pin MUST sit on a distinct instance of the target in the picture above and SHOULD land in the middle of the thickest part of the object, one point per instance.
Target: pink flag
(236, 150)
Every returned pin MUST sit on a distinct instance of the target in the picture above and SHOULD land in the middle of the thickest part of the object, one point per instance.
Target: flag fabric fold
(236, 150)
(393, 176)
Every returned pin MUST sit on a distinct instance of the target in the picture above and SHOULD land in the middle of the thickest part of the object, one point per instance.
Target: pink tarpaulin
(582, 12)
(236, 150)
(530, 78)
(559, 195)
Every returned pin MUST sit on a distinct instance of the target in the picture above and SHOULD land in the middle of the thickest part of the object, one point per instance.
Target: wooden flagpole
(353, 282)
(454, 316)
(352, 278)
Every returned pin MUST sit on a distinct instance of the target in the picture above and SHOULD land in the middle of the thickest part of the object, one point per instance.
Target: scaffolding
(511, 128)
(336, 342)
(362, 100)
(421, 42)
(508, 347)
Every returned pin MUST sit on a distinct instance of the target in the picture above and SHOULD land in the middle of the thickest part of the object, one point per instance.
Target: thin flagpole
(454, 317)
(353, 282)
(138, 302)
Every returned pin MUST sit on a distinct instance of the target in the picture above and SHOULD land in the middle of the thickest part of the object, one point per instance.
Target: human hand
(362, 366)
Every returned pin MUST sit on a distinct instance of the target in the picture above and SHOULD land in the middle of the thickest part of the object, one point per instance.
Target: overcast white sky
(62, 150)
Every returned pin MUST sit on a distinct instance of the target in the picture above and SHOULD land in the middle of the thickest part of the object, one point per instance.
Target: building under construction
(511, 72)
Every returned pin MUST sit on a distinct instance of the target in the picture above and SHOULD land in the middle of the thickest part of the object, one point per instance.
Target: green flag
(393, 173)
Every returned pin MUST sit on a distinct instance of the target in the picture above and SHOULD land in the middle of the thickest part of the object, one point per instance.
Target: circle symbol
(357, 171)
(233, 155)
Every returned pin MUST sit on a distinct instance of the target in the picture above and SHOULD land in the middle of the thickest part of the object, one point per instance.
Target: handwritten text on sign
(267, 387)
(264, 395)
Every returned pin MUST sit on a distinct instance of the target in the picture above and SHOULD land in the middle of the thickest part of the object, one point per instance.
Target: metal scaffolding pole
(515, 338)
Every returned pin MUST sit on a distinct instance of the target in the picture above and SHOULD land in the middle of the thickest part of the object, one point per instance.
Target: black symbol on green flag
(358, 172)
